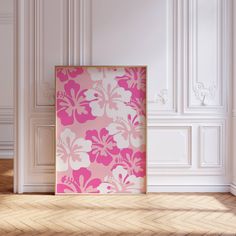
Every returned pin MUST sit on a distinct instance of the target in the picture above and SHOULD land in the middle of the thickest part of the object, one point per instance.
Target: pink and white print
(100, 129)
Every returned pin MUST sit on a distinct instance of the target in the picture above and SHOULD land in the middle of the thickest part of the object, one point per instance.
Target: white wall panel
(211, 144)
(46, 37)
(6, 63)
(42, 145)
(6, 78)
(131, 33)
(40, 161)
(169, 146)
(50, 42)
(45, 137)
(205, 32)
(184, 43)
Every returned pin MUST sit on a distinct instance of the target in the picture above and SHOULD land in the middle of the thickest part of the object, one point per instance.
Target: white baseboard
(50, 188)
(188, 188)
(6, 149)
(6, 154)
(39, 188)
(233, 189)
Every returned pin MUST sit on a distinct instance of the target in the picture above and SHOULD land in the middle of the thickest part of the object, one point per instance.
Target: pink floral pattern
(121, 182)
(65, 74)
(72, 151)
(104, 148)
(107, 98)
(80, 182)
(100, 129)
(133, 162)
(128, 131)
(72, 105)
(134, 80)
(138, 104)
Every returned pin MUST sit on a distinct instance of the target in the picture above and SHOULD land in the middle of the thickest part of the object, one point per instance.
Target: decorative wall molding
(39, 188)
(42, 146)
(6, 145)
(189, 188)
(202, 93)
(233, 189)
(6, 112)
(213, 166)
(216, 142)
(161, 97)
(6, 115)
(6, 18)
(173, 132)
(48, 92)
(9, 155)
(180, 171)
(44, 135)
(85, 32)
(204, 83)
(172, 106)
(166, 99)
(6, 120)
(6, 149)
(31, 188)
(44, 84)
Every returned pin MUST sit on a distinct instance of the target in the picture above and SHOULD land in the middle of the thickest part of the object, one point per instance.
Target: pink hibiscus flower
(138, 104)
(133, 162)
(71, 104)
(134, 80)
(103, 146)
(80, 182)
(65, 74)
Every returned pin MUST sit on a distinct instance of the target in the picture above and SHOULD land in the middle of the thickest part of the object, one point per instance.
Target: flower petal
(82, 160)
(119, 173)
(82, 145)
(61, 165)
(105, 188)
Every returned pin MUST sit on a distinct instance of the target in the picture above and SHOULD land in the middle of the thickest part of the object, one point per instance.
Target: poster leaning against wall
(100, 129)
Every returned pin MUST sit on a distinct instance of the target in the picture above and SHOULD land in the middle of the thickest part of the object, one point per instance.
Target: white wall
(233, 185)
(186, 45)
(6, 78)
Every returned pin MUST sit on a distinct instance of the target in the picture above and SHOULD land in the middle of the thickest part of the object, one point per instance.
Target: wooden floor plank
(151, 214)
(6, 175)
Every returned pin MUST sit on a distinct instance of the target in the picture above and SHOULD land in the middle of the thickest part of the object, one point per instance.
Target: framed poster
(100, 129)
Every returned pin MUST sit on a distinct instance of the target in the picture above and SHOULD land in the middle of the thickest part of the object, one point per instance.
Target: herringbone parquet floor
(6, 175)
(151, 214)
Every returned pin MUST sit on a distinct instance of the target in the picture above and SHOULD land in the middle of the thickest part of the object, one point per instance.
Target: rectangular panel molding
(158, 50)
(163, 97)
(174, 146)
(42, 146)
(205, 36)
(50, 35)
(45, 146)
(211, 144)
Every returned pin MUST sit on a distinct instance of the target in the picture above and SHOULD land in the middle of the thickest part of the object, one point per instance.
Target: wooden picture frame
(101, 129)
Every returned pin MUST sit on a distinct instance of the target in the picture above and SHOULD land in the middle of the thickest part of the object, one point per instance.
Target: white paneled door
(186, 46)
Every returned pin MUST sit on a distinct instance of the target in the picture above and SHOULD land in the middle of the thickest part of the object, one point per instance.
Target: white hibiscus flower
(121, 182)
(100, 73)
(72, 151)
(107, 98)
(129, 130)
